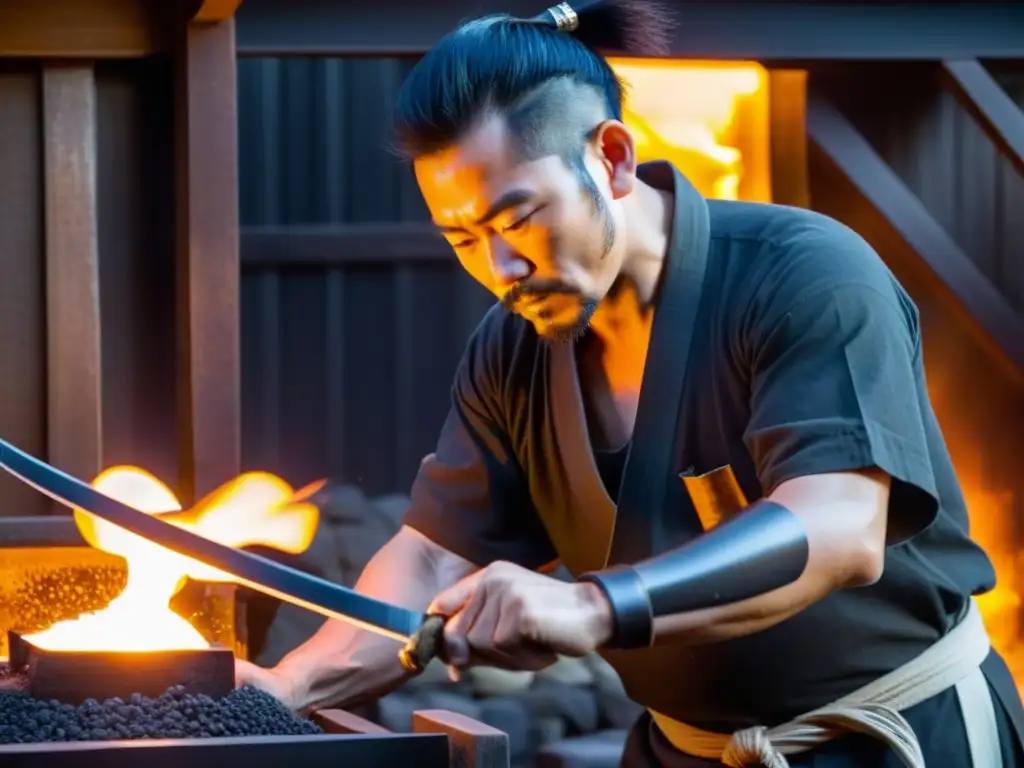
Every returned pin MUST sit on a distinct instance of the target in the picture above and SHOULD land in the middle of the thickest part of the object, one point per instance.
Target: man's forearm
(814, 535)
(345, 666)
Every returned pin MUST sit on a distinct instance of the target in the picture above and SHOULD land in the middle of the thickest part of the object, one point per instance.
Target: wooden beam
(339, 721)
(471, 744)
(996, 113)
(337, 244)
(207, 259)
(787, 93)
(762, 30)
(867, 181)
(74, 372)
(216, 10)
(93, 29)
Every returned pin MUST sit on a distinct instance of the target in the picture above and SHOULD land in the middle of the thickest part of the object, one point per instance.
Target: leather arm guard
(762, 548)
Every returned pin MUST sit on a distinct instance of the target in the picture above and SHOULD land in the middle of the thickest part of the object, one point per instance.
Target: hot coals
(173, 715)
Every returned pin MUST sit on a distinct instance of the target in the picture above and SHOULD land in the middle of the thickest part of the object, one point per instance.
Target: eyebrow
(512, 199)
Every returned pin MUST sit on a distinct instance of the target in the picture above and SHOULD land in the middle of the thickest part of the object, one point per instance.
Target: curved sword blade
(248, 569)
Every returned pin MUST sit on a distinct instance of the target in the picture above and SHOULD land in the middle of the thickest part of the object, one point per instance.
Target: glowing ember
(254, 509)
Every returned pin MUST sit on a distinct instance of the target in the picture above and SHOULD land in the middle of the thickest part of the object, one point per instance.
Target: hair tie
(566, 19)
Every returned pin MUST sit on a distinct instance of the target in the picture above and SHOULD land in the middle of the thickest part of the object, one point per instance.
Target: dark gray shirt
(805, 358)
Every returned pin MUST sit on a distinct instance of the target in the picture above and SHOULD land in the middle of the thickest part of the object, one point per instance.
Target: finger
(452, 600)
(456, 651)
(456, 631)
(480, 634)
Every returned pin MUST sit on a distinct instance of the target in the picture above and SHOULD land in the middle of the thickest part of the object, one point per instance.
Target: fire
(710, 119)
(254, 509)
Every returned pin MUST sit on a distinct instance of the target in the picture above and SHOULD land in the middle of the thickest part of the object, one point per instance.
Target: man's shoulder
(783, 255)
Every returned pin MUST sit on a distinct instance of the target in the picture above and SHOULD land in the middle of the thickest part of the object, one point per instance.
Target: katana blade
(246, 568)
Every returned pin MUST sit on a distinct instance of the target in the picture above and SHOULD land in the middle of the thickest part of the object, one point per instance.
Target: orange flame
(253, 509)
(689, 113)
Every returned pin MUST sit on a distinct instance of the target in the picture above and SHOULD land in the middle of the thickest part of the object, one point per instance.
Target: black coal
(173, 715)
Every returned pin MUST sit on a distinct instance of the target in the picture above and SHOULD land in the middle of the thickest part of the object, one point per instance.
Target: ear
(613, 144)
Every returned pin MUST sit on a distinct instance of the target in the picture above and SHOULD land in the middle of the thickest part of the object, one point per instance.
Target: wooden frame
(199, 34)
(856, 173)
(471, 744)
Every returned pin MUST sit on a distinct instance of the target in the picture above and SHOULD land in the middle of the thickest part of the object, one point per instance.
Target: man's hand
(271, 681)
(506, 616)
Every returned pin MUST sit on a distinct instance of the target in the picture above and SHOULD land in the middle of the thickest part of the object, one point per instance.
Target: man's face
(538, 234)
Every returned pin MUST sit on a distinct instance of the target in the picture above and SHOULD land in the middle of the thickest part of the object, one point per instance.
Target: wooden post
(787, 90)
(207, 258)
(75, 432)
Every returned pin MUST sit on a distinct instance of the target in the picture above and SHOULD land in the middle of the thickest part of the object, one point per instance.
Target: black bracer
(762, 548)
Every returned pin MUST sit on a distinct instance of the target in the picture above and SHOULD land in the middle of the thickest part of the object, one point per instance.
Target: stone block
(576, 706)
(595, 750)
(394, 711)
(511, 715)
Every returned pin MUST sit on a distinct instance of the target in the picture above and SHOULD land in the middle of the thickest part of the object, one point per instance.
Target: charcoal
(46, 597)
(173, 715)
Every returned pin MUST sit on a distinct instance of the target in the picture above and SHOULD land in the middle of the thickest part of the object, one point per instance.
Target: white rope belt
(954, 661)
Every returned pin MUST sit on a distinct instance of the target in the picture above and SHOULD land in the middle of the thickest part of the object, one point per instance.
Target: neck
(627, 309)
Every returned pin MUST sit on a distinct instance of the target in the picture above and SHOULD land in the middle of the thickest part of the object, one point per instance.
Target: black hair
(546, 81)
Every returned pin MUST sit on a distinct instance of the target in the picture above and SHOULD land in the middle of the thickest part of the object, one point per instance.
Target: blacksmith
(649, 347)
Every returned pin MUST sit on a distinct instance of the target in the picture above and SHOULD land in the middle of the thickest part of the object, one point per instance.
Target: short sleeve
(470, 496)
(835, 387)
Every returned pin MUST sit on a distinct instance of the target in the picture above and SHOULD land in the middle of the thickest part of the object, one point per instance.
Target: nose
(507, 265)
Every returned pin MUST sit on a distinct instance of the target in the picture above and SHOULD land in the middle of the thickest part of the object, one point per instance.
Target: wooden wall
(346, 365)
(134, 223)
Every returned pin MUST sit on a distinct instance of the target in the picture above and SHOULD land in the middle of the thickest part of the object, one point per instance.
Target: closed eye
(523, 221)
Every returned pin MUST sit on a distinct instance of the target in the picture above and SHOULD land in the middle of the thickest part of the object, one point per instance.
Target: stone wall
(573, 714)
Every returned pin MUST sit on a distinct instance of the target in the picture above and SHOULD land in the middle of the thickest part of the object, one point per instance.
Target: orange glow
(254, 509)
(710, 119)
(992, 527)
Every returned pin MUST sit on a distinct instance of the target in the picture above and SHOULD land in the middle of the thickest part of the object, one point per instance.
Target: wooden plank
(340, 721)
(854, 166)
(471, 744)
(22, 281)
(207, 259)
(89, 29)
(762, 30)
(75, 431)
(787, 136)
(338, 244)
(991, 107)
